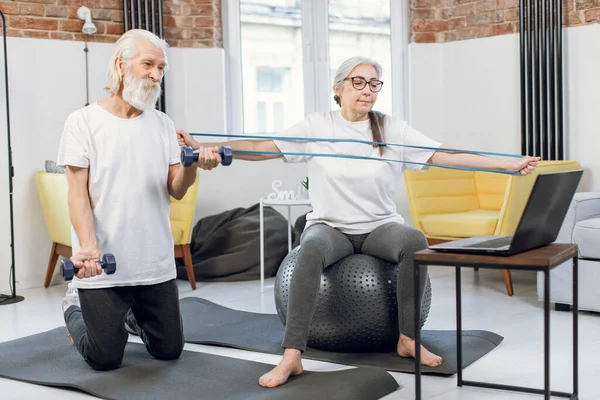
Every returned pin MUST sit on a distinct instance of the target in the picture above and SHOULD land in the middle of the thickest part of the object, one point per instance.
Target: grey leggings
(322, 245)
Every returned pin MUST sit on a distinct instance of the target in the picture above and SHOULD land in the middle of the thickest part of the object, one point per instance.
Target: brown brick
(586, 4)
(429, 3)
(201, 22)
(41, 1)
(68, 25)
(112, 4)
(104, 15)
(36, 34)
(34, 9)
(484, 6)
(430, 26)
(117, 16)
(19, 22)
(425, 37)
(463, 10)
(198, 9)
(56, 11)
(202, 34)
(479, 19)
(497, 17)
(592, 15)
(450, 36)
(419, 13)
(10, 8)
(475, 32)
(506, 4)
(574, 18)
(70, 2)
(61, 35)
(512, 15)
(505, 28)
(114, 29)
(456, 23)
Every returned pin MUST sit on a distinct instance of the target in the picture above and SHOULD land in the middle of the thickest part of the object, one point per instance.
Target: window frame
(315, 63)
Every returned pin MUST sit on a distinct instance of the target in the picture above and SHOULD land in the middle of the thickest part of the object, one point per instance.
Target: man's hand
(525, 165)
(88, 262)
(185, 139)
(208, 157)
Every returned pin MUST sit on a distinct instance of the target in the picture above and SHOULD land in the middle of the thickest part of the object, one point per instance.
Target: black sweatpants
(98, 327)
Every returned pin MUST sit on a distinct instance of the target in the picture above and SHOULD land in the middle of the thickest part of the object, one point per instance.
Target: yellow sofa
(53, 190)
(447, 204)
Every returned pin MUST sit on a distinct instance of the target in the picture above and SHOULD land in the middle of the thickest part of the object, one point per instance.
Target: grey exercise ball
(357, 310)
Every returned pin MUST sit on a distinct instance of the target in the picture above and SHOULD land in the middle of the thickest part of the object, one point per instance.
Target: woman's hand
(525, 165)
(185, 139)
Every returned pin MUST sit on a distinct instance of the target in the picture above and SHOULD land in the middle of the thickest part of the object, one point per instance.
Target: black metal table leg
(459, 363)
(575, 326)
(547, 334)
(417, 320)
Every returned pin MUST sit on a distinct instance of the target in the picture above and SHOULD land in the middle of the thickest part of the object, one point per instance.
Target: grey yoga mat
(50, 359)
(208, 323)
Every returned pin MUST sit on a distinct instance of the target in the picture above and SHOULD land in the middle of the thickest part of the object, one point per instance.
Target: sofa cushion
(586, 235)
(461, 225)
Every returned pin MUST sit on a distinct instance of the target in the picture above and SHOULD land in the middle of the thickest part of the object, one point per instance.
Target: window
(282, 56)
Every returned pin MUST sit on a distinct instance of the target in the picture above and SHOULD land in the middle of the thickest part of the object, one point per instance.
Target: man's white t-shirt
(128, 161)
(352, 195)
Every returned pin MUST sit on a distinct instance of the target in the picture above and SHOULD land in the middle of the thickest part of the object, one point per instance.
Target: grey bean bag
(226, 246)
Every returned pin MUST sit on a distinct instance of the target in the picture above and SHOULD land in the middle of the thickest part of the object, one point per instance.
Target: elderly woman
(353, 201)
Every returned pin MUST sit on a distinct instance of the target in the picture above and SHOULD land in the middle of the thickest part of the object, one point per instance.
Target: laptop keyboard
(493, 243)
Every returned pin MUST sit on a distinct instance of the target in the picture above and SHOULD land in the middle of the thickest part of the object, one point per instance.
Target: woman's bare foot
(290, 365)
(406, 348)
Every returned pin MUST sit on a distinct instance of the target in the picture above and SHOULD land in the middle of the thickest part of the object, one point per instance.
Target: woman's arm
(262, 145)
(524, 165)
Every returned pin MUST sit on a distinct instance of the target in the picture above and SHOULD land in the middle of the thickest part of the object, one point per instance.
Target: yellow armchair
(53, 193)
(447, 204)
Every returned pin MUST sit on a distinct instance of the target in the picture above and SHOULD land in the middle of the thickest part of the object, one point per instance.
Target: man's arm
(80, 212)
(180, 179)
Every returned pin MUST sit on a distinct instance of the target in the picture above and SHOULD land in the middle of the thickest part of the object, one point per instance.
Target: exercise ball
(357, 309)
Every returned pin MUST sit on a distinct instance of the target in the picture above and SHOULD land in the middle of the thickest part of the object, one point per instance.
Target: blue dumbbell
(68, 270)
(188, 157)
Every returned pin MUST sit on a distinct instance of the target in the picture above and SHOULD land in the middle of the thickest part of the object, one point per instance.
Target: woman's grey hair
(347, 66)
(126, 48)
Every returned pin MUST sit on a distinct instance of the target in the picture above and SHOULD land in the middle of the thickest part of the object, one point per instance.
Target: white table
(289, 204)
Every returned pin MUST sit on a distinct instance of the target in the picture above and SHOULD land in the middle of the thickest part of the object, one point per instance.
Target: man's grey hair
(126, 48)
(347, 66)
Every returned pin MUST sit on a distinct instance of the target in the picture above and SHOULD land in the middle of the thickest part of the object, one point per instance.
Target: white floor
(518, 360)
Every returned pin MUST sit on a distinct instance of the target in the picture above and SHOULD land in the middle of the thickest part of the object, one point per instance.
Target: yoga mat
(50, 359)
(208, 323)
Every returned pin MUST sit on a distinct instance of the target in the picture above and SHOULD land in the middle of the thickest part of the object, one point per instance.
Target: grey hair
(347, 66)
(126, 48)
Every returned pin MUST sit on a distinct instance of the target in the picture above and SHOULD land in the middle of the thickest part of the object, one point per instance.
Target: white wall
(467, 94)
(47, 82)
(462, 93)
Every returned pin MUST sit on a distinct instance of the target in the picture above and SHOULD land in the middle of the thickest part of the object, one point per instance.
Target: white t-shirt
(128, 161)
(354, 196)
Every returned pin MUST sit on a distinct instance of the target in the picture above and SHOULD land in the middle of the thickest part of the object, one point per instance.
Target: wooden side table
(541, 259)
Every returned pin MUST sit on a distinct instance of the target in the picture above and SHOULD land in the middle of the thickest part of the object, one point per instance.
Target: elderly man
(122, 163)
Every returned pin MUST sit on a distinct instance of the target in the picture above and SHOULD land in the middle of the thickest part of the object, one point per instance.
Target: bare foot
(406, 348)
(290, 365)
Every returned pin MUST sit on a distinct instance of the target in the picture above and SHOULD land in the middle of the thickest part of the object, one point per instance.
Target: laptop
(539, 225)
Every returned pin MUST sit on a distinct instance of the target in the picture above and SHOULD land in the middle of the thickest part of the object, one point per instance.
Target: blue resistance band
(337, 140)
(372, 158)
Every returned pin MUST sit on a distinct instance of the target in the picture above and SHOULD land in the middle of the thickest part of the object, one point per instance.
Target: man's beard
(141, 93)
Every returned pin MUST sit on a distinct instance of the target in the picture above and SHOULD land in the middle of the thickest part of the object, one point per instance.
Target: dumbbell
(68, 270)
(188, 157)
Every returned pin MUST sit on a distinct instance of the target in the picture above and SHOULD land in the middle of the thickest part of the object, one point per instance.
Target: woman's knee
(104, 364)
(168, 349)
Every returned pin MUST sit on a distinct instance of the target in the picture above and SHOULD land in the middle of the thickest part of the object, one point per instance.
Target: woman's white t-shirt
(128, 161)
(352, 195)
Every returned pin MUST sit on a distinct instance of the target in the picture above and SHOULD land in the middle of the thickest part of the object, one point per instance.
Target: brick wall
(189, 23)
(437, 21)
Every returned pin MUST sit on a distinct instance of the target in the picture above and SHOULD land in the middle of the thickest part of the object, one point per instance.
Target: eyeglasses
(358, 83)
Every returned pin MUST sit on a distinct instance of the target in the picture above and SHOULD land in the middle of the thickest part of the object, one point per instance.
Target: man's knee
(168, 350)
(104, 364)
